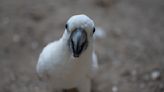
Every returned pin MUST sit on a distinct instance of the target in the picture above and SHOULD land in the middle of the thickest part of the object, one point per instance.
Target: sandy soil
(131, 56)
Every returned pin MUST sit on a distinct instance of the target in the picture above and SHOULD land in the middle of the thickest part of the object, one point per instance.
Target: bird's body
(61, 69)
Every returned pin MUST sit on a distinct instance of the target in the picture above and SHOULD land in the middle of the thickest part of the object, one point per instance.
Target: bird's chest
(70, 68)
(69, 71)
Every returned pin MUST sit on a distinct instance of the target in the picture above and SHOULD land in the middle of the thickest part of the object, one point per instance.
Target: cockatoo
(70, 61)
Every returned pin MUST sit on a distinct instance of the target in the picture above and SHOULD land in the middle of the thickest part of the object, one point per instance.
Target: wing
(42, 65)
(95, 66)
(42, 74)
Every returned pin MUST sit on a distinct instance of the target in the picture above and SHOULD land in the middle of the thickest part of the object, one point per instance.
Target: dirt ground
(131, 56)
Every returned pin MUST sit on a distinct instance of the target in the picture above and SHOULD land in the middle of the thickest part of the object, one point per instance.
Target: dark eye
(94, 30)
(66, 26)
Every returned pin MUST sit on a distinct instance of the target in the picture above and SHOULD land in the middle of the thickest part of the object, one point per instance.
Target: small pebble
(134, 72)
(114, 89)
(16, 38)
(142, 85)
(155, 75)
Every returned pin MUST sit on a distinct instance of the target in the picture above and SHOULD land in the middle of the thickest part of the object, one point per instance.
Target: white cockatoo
(70, 61)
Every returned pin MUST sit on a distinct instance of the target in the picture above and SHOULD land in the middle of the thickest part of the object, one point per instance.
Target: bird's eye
(66, 26)
(94, 30)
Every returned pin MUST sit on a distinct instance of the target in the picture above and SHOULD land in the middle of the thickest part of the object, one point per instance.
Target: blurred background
(131, 55)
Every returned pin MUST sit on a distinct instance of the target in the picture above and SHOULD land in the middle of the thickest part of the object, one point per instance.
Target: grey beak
(78, 41)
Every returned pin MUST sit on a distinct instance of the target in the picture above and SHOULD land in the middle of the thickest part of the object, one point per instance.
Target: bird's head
(81, 29)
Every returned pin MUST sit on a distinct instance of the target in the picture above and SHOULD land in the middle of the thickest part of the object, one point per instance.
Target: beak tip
(76, 55)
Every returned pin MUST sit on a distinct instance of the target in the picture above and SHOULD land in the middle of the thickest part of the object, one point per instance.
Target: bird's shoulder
(53, 52)
(53, 48)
